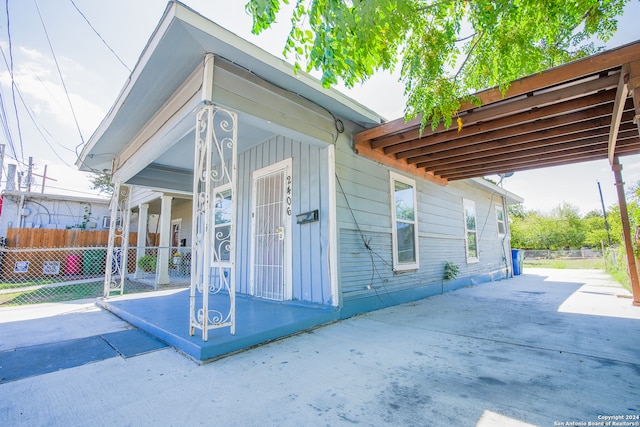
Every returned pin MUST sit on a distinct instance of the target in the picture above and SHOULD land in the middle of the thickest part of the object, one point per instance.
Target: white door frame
(285, 165)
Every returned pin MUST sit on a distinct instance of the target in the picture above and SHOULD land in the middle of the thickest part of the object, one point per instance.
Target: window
(470, 229)
(106, 222)
(222, 224)
(405, 224)
(502, 229)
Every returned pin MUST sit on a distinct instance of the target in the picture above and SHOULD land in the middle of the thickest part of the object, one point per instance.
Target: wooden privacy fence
(69, 252)
(51, 238)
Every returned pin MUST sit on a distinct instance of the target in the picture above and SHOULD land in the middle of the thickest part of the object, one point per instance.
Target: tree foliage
(102, 182)
(447, 49)
(564, 228)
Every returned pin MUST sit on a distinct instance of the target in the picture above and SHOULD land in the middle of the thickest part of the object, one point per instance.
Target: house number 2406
(289, 193)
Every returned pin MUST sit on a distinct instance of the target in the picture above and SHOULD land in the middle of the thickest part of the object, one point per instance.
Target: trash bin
(517, 256)
(73, 265)
(93, 261)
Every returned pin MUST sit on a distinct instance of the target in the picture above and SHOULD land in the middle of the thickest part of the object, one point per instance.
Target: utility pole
(604, 214)
(29, 174)
(44, 178)
(28, 182)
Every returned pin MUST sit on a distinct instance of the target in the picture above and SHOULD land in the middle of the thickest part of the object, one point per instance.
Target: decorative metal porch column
(214, 221)
(116, 264)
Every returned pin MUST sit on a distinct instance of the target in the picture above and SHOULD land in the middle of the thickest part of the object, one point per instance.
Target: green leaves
(449, 49)
(264, 13)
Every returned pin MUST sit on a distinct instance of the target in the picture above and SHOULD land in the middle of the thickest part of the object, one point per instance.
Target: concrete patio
(550, 347)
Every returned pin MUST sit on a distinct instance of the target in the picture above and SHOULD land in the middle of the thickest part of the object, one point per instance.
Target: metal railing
(30, 276)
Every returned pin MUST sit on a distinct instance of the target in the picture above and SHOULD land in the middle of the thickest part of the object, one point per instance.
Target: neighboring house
(254, 166)
(39, 210)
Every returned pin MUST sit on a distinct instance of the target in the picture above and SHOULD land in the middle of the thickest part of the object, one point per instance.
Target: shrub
(451, 270)
(148, 263)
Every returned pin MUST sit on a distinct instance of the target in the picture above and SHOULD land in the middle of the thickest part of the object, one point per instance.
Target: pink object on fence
(74, 264)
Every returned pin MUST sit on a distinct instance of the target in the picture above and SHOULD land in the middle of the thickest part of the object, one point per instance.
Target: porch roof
(175, 49)
(576, 112)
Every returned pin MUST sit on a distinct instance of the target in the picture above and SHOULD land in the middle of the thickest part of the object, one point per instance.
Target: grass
(63, 293)
(592, 264)
(9, 285)
(54, 294)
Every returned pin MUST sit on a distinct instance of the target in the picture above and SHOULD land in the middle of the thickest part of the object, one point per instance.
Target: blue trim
(370, 302)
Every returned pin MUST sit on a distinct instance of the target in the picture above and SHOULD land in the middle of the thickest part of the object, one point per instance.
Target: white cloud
(33, 54)
(41, 86)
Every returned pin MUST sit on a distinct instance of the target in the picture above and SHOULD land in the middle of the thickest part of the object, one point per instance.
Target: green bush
(617, 265)
(451, 270)
(148, 263)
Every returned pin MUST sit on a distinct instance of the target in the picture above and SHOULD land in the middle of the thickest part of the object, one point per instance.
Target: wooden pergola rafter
(585, 110)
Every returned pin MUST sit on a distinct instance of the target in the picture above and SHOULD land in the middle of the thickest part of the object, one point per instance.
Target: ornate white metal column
(116, 263)
(214, 221)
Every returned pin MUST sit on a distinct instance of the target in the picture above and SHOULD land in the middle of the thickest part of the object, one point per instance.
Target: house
(22, 209)
(254, 167)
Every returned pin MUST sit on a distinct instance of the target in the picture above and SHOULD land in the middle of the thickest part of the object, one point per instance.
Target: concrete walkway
(548, 348)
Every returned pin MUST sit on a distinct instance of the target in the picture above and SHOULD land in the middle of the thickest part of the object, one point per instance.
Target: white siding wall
(310, 191)
(47, 213)
(441, 230)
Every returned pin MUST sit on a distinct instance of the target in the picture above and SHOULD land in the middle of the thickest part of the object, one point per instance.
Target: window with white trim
(470, 230)
(500, 222)
(405, 222)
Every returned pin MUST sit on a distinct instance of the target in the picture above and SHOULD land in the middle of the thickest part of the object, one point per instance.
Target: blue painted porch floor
(165, 315)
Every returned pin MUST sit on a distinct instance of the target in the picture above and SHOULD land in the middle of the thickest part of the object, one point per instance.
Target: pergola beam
(616, 167)
(616, 116)
(552, 126)
(518, 119)
(520, 110)
(553, 159)
(566, 132)
(534, 150)
(505, 151)
(594, 64)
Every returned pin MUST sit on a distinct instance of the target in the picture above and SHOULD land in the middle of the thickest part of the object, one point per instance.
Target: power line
(5, 125)
(13, 94)
(35, 123)
(64, 86)
(100, 37)
(31, 114)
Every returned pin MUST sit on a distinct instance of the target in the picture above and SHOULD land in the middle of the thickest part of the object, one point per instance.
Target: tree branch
(475, 44)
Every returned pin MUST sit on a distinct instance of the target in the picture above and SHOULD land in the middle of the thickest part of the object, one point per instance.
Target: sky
(94, 69)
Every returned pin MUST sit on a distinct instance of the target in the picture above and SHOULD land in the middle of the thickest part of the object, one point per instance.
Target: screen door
(271, 232)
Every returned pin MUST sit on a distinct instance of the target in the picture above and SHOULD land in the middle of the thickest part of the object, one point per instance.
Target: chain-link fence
(562, 254)
(30, 276)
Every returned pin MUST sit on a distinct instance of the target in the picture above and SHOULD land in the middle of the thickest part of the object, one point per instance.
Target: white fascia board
(152, 43)
(512, 198)
(57, 197)
(249, 54)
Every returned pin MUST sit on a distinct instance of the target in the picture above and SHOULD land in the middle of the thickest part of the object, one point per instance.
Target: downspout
(507, 229)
